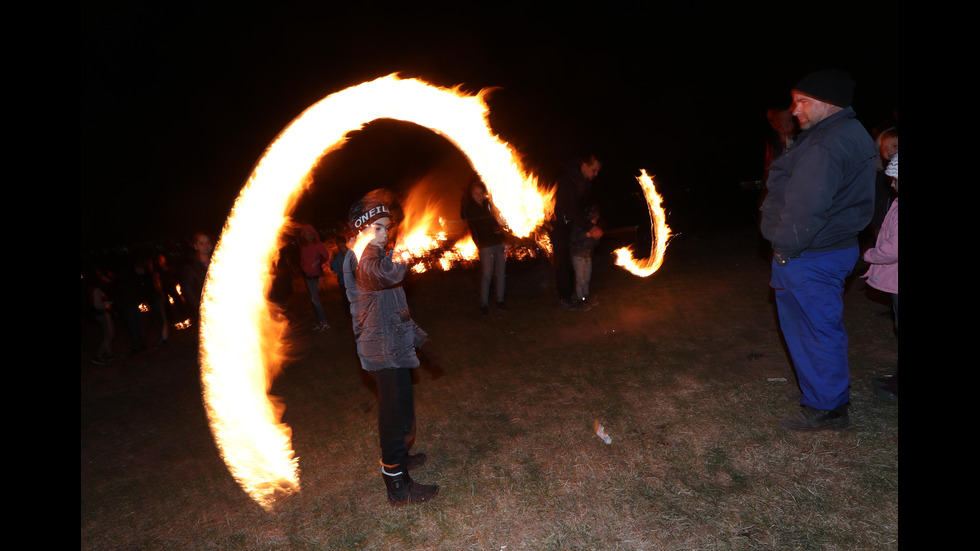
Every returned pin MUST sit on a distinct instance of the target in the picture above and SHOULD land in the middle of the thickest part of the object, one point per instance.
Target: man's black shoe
(809, 419)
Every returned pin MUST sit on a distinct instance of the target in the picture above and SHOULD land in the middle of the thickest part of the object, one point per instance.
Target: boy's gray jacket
(385, 332)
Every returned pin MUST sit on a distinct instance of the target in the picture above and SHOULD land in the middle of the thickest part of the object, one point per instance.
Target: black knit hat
(829, 85)
(376, 204)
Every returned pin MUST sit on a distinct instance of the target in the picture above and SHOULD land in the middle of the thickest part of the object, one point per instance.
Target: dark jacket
(484, 228)
(821, 189)
(571, 195)
(384, 329)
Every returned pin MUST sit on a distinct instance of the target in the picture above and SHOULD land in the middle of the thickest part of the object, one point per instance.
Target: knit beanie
(376, 204)
(829, 85)
(892, 168)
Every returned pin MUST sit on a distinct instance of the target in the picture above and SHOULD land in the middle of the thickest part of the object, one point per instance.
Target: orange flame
(241, 351)
(659, 231)
(465, 249)
(241, 334)
(422, 231)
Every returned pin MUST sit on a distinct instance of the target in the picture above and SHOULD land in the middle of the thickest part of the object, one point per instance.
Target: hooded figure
(313, 257)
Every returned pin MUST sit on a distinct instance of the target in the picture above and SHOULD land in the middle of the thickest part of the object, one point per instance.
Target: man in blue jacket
(820, 195)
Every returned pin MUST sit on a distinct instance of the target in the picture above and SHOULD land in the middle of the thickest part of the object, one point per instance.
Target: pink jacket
(883, 274)
(313, 253)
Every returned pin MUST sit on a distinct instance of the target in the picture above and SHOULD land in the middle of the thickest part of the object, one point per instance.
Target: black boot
(403, 490)
(811, 419)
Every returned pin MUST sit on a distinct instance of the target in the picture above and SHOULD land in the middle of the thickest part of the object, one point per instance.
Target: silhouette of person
(194, 272)
(101, 307)
(883, 271)
(583, 243)
(571, 194)
(314, 256)
(784, 131)
(887, 142)
(337, 267)
(488, 235)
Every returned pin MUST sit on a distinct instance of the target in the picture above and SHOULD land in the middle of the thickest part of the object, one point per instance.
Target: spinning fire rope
(659, 229)
(241, 338)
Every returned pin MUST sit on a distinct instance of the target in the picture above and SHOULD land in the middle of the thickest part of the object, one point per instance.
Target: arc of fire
(240, 339)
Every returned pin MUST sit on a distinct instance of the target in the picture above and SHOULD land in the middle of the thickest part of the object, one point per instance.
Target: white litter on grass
(776, 379)
(600, 431)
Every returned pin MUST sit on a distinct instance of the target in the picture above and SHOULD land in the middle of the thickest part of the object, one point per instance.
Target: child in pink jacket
(883, 273)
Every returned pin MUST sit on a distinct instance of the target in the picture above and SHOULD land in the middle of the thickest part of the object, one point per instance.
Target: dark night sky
(179, 103)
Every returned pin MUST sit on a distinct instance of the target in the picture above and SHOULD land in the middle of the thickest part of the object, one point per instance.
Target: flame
(241, 351)
(422, 231)
(659, 231)
(362, 241)
(544, 241)
(465, 249)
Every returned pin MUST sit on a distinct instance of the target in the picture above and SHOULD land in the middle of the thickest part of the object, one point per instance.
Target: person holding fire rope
(488, 231)
(386, 337)
(571, 195)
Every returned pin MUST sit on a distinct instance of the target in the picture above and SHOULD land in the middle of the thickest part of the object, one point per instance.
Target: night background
(179, 102)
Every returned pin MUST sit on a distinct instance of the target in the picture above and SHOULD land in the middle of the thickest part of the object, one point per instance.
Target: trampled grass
(685, 370)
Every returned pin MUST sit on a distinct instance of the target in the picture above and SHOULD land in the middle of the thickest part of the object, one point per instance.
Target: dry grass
(677, 366)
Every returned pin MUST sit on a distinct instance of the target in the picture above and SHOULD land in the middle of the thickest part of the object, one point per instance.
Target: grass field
(685, 369)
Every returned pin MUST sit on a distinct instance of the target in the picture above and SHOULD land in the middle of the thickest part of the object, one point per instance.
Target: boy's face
(380, 227)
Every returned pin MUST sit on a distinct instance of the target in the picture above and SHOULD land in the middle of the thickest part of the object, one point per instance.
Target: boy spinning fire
(387, 337)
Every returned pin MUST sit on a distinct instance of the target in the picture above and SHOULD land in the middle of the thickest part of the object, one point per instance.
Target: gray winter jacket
(384, 329)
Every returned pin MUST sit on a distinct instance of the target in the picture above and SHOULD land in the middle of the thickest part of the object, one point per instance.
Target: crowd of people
(117, 290)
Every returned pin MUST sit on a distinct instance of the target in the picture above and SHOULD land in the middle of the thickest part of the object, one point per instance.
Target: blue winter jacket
(821, 189)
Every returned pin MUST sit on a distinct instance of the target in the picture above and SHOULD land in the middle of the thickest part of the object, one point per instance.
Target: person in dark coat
(570, 204)
(820, 196)
(488, 235)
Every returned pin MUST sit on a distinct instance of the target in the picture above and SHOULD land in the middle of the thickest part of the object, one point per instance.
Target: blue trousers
(810, 303)
(313, 286)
